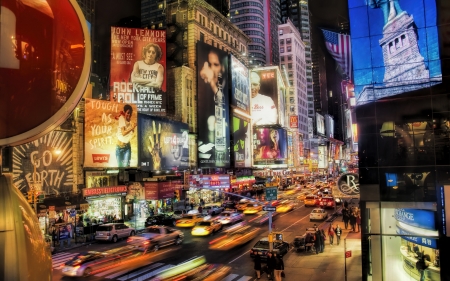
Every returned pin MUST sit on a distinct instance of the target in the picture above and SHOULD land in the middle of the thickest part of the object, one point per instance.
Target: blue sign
(419, 218)
(423, 241)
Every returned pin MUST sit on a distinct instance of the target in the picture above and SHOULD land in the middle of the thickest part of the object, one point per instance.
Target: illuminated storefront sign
(102, 191)
(209, 181)
(418, 218)
(293, 121)
(348, 184)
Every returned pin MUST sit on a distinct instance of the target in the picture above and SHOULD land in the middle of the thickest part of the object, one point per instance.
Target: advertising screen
(348, 123)
(213, 107)
(401, 47)
(163, 144)
(52, 155)
(240, 85)
(110, 134)
(329, 128)
(242, 143)
(138, 68)
(323, 159)
(269, 146)
(264, 100)
(320, 124)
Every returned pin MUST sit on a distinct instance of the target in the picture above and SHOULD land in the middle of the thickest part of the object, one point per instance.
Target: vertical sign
(240, 85)
(242, 143)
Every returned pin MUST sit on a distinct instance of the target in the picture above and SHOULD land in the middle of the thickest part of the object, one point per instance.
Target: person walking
(358, 221)
(324, 237)
(353, 221)
(331, 233)
(345, 216)
(257, 266)
(270, 265)
(279, 267)
(338, 232)
(317, 241)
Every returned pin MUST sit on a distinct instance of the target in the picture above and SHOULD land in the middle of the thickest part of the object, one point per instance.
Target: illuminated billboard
(213, 107)
(267, 99)
(348, 123)
(240, 85)
(323, 159)
(329, 126)
(320, 124)
(269, 146)
(293, 121)
(242, 142)
(163, 144)
(138, 68)
(110, 134)
(401, 47)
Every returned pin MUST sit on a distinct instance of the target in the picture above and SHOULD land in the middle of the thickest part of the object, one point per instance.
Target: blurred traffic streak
(236, 236)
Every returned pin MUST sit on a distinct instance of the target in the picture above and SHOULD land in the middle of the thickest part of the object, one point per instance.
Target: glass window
(282, 41)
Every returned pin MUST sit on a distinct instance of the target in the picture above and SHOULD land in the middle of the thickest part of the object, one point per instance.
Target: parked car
(262, 247)
(160, 220)
(213, 210)
(204, 228)
(113, 232)
(318, 214)
(155, 237)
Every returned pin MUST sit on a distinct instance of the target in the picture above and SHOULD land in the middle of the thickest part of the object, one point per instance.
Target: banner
(138, 68)
(264, 100)
(163, 144)
(240, 85)
(110, 134)
(242, 143)
(269, 146)
(213, 107)
(293, 121)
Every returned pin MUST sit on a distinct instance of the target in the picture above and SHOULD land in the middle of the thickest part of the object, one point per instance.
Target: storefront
(408, 233)
(105, 203)
(207, 188)
(162, 195)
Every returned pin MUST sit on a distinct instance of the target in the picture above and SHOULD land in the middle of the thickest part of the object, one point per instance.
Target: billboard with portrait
(266, 95)
(240, 85)
(241, 133)
(138, 68)
(110, 134)
(213, 107)
(269, 146)
(320, 124)
(163, 144)
(401, 46)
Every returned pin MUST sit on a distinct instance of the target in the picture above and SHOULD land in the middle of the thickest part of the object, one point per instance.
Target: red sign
(151, 190)
(213, 183)
(348, 254)
(100, 158)
(293, 121)
(87, 192)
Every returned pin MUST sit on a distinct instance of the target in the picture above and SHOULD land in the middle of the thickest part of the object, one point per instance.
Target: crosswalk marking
(244, 278)
(61, 258)
(151, 274)
(230, 277)
(129, 276)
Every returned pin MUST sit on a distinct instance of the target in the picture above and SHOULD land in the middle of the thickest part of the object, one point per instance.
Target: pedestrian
(279, 267)
(421, 265)
(338, 232)
(345, 216)
(317, 241)
(358, 221)
(200, 209)
(270, 265)
(257, 266)
(331, 234)
(324, 237)
(353, 221)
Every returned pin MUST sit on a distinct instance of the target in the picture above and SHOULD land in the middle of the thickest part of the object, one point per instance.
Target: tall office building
(259, 20)
(298, 12)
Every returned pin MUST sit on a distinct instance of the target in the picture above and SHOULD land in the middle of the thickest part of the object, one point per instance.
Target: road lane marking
(230, 277)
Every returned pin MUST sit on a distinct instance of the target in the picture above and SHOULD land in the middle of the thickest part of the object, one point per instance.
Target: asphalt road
(290, 224)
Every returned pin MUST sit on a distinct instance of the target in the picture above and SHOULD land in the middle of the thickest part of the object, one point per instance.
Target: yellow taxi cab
(204, 228)
(191, 220)
(241, 205)
(312, 200)
(285, 207)
(302, 197)
(251, 209)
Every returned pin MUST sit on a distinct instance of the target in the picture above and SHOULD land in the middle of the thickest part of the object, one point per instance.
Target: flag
(339, 46)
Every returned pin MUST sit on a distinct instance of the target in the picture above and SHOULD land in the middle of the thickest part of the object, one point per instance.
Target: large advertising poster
(320, 124)
(52, 155)
(264, 99)
(401, 44)
(240, 85)
(323, 160)
(242, 142)
(163, 144)
(348, 124)
(138, 68)
(213, 107)
(269, 146)
(329, 126)
(110, 134)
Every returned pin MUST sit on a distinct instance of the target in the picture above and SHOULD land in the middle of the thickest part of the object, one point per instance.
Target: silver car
(113, 232)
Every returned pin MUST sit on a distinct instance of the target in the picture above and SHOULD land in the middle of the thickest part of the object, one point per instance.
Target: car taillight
(146, 243)
(129, 240)
(108, 234)
(178, 221)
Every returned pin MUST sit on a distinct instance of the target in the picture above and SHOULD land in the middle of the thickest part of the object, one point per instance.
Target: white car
(113, 232)
(318, 214)
(228, 217)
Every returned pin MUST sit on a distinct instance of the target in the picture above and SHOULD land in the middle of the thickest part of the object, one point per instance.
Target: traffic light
(41, 197)
(30, 197)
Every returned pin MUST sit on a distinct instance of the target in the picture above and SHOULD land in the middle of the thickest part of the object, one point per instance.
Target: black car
(262, 247)
(160, 220)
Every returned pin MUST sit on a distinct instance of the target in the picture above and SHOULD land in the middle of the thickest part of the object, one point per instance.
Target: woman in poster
(125, 132)
(271, 151)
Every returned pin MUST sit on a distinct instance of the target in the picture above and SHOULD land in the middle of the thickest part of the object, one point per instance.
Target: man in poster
(148, 73)
(125, 132)
(263, 109)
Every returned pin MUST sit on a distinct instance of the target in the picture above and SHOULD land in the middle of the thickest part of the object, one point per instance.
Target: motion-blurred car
(213, 210)
(285, 207)
(337, 200)
(160, 220)
(178, 214)
(155, 237)
(252, 209)
(191, 220)
(229, 205)
(234, 238)
(312, 200)
(241, 205)
(327, 202)
(318, 214)
(204, 228)
(113, 232)
(228, 217)
(302, 196)
(262, 247)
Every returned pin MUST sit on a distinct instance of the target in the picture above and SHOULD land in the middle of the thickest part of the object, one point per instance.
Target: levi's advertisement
(138, 63)
(110, 134)
(269, 146)
(163, 144)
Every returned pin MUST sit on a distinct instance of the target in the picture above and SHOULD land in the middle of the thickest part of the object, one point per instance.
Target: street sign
(270, 209)
(348, 254)
(271, 194)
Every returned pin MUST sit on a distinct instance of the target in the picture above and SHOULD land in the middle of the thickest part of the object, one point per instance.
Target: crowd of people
(274, 267)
